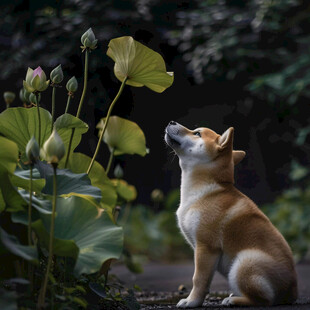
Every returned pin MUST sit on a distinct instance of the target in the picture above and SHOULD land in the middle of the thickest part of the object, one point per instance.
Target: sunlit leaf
(123, 136)
(64, 125)
(8, 154)
(140, 64)
(20, 124)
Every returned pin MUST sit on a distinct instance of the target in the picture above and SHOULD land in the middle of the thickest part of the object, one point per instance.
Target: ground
(164, 284)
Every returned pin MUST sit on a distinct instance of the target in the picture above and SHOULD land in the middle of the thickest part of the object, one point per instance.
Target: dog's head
(202, 146)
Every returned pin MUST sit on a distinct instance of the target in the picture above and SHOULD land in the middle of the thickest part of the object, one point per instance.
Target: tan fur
(231, 227)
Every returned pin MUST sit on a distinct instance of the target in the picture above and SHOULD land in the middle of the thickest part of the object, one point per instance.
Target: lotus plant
(36, 82)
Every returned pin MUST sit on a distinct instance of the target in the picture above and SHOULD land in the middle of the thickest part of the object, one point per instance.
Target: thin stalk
(53, 106)
(110, 162)
(39, 118)
(85, 84)
(106, 124)
(68, 104)
(30, 267)
(30, 207)
(7, 105)
(51, 241)
(80, 104)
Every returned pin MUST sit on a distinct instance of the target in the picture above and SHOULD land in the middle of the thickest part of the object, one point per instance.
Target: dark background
(236, 63)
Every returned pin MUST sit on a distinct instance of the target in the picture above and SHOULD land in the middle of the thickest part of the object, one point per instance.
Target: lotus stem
(39, 118)
(30, 268)
(68, 104)
(53, 106)
(110, 162)
(80, 104)
(51, 241)
(85, 84)
(30, 207)
(106, 123)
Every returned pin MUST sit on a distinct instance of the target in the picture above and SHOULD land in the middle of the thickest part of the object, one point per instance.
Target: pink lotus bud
(35, 80)
(38, 72)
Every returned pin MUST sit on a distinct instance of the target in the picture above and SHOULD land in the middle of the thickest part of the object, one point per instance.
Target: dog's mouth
(171, 141)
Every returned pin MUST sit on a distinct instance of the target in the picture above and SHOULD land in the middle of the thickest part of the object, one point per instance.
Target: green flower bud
(54, 148)
(8, 97)
(24, 95)
(33, 98)
(32, 150)
(35, 80)
(72, 85)
(89, 40)
(57, 75)
(118, 172)
(157, 195)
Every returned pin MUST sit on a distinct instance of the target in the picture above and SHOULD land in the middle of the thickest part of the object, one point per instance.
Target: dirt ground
(163, 285)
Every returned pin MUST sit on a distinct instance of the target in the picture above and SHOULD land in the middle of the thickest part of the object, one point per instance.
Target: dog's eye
(197, 133)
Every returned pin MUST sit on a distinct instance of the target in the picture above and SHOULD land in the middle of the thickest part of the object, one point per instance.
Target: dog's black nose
(172, 123)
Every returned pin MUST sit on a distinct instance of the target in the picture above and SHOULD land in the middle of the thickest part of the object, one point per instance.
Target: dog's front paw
(228, 301)
(189, 303)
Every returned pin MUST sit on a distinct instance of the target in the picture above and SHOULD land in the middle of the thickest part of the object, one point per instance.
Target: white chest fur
(188, 217)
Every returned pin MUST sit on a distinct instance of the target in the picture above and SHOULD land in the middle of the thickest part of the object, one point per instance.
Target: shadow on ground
(164, 284)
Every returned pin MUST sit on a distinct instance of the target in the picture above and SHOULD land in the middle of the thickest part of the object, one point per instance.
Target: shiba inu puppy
(225, 228)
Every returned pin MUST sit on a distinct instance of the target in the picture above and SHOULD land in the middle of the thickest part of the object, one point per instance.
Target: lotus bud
(53, 148)
(118, 172)
(32, 150)
(89, 40)
(157, 195)
(8, 97)
(24, 95)
(33, 98)
(72, 85)
(57, 75)
(35, 80)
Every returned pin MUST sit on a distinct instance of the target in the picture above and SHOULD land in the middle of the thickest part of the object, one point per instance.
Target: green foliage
(140, 64)
(153, 235)
(69, 215)
(290, 213)
(123, 136)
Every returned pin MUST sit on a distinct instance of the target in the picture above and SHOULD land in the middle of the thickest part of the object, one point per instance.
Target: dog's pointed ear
(238, 156)
(226, 139)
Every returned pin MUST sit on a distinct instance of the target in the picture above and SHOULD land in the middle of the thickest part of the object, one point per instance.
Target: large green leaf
(12, 244)
(8, 161)
(13, 201)
(123, 136)
(20, 124)
(79, 163)
(141, 65)
(69, 183)
(90, 228)
(64, 125)
(21, 178)
(8, 154)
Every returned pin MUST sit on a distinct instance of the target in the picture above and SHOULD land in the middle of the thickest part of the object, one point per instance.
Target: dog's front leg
(205, 265)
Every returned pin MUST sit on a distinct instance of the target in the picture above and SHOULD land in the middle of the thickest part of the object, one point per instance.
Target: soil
(163, 285)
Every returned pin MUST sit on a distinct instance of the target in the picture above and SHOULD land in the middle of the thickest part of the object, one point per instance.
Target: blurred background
(237, 63)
